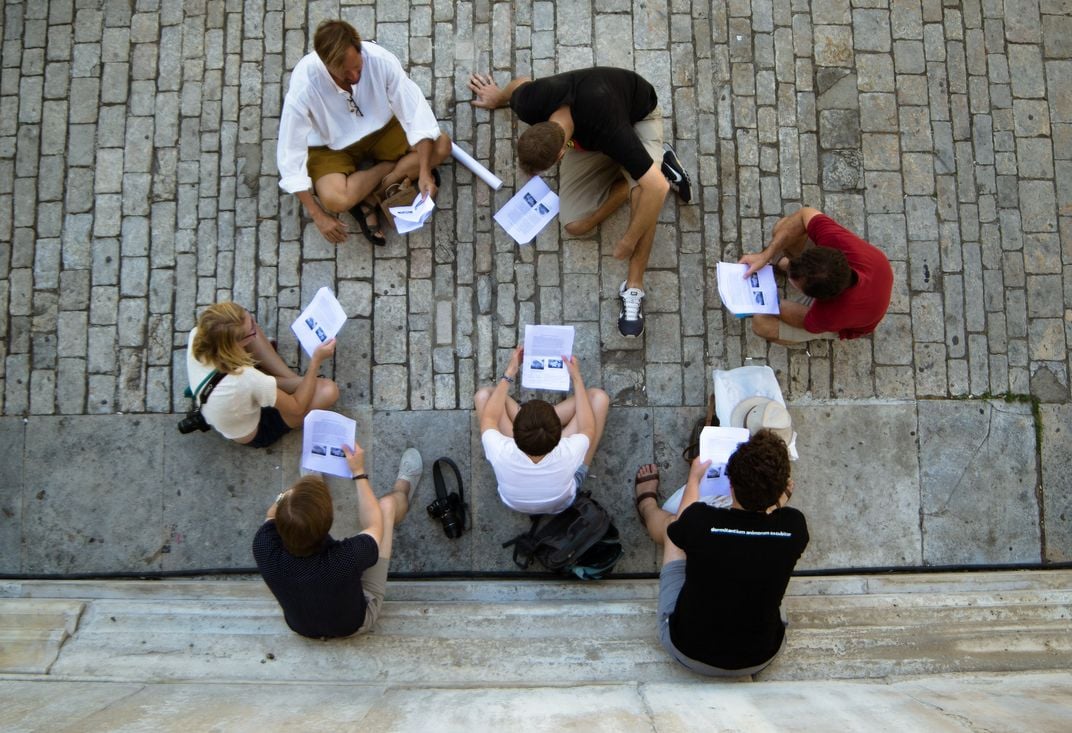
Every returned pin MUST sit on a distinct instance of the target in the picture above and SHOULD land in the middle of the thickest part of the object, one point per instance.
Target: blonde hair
(220, 331)
(333, 39)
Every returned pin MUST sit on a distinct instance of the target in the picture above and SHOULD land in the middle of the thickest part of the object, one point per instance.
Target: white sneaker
(410, 468)
(631, 312)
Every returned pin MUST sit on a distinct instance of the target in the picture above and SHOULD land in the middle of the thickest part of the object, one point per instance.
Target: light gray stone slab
(12, 439)
(97, 507)
(420, 544)
(857, 482)
(1057, 481)
(978, 483)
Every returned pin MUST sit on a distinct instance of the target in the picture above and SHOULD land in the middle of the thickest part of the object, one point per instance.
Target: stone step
(473, 633)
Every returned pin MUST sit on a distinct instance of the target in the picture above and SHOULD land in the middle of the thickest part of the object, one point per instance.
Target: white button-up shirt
(317, 112)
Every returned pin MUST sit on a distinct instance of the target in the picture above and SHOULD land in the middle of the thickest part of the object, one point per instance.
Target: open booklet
(758, 293)
(323, 436)
(545, 348)
(412, 217)
(530, 210)
(717, 444)
(321, 320)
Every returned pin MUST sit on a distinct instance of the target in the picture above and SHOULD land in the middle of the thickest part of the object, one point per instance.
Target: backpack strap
(524, 545)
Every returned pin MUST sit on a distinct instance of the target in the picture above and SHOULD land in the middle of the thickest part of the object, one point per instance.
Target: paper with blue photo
(323, 436)
(530, 210)
(758, 293)
(321, 320)
(717, 444)
(545, 348)
(412, 217)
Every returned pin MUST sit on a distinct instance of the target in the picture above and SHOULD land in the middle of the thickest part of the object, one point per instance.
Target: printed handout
(758, 293)
(409, 218)
(324, 435)
(321, 320)
(717, 444)
(530, 210)
(545, 348)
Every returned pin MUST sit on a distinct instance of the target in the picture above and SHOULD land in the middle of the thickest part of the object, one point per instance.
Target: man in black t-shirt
(725, 571)
(327, 587)
(604, 124)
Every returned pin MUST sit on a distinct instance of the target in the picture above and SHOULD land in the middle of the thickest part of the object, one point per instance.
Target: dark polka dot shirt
(321, 594)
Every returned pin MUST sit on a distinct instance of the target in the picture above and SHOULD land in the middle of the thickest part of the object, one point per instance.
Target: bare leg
(600, 402)
(506, 420)
(655, 519)
(326, 395)
(394, 507)
(619, 194)
(409, 165)
(339, 193)
(638, 261)
(268, 360)
(566, 409)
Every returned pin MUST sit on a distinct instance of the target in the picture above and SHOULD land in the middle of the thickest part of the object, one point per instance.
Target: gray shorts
(585, 176)
(374, 584)
(801, 335)
(671, 581)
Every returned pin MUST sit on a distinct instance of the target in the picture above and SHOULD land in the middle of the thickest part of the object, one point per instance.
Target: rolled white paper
(475, 166)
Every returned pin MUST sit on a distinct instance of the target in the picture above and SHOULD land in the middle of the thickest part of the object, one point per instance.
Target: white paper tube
(475, 166)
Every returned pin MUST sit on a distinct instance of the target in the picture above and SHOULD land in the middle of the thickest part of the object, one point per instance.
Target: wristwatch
(360, 476)
(508, 379)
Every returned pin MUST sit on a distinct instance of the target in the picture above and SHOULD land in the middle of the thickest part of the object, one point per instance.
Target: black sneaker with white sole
(631, 311)
(676, 174)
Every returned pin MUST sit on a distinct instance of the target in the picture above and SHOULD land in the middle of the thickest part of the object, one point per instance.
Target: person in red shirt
(843, 283)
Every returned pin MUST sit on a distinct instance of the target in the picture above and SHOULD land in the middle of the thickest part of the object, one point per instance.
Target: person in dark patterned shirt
(328, 587)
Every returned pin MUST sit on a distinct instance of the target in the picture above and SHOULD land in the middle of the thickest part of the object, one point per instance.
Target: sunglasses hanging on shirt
(353, 105)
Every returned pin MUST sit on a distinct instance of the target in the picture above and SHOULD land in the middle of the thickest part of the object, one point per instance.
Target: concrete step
(472, 633)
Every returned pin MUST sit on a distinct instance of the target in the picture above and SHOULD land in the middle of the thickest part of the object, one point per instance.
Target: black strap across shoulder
(206, 390)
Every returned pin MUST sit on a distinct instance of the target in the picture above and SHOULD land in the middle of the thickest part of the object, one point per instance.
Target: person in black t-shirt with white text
(725, 571)
(604, 124)
(327, 587)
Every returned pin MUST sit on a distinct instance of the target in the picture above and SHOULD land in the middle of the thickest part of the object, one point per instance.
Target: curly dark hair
(539, 146)
(759, 471)
(822, 272)
(537, 428)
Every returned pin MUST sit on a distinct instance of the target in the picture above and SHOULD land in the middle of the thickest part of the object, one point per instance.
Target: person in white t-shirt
(349, 104)
(251, 406)
(540, 452)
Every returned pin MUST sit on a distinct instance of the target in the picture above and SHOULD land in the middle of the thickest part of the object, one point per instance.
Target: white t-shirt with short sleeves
(547, 487)
(234, 408)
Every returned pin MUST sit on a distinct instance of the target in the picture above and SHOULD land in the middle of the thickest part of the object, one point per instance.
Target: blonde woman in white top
(260, 399)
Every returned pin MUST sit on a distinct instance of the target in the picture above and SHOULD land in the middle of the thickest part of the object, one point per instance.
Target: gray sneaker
(410, 468)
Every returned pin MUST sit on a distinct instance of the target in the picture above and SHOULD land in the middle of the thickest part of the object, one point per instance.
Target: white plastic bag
(734, 385)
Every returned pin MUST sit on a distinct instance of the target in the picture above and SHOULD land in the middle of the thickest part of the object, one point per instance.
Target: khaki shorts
(585, 176)
(374, 584)
(800, 335)
(387, 143)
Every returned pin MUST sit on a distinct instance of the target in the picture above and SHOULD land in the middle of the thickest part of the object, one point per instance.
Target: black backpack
(581, 541)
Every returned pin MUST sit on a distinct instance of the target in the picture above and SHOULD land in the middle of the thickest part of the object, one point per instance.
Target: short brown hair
(759, 471)
(303, 516)
(332, 39)
(220, 331)
(539, 146)
(822, 272)
(537, 428)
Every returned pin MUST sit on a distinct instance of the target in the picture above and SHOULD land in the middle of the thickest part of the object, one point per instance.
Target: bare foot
(646, 486)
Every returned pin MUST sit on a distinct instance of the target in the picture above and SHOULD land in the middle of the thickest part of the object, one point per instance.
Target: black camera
(449, 508)
(194, 420)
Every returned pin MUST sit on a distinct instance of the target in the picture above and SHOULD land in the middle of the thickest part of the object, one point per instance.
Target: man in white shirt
(540, 452)
(350, 103)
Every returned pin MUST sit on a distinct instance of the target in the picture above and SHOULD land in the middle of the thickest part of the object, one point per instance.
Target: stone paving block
(64, 503)
(1056, 493)
(12, 442)
(957, 527)
(852, 518)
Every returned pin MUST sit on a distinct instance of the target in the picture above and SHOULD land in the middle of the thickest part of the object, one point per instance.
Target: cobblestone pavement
(138, 184)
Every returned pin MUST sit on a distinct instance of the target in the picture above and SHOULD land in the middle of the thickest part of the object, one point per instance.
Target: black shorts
(271, 428)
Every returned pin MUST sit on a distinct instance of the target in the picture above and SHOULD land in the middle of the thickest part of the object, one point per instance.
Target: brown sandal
(637, 480)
